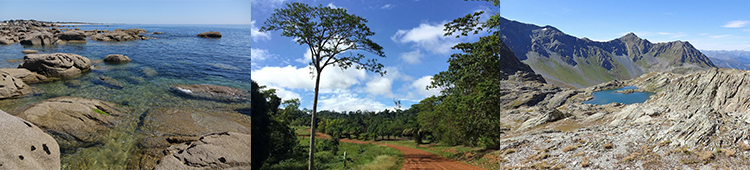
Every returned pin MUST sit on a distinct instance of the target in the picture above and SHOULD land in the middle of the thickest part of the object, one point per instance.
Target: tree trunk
(312, 122)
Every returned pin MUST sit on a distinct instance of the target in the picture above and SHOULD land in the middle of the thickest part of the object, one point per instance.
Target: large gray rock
(548, 115)
(117, 58)
(27, 51)
(72, 36)
(56, 64)
(212, 92)
(6, 40)
(24, 75)
(39, 38)
(74, 121)
(120, 35)
(11, 87)
(228, 150)
(25, 146)
(210, 34)
(168, 126)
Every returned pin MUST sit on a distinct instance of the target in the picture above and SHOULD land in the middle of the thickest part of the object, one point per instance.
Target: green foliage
(101, 112)
(328, 32)
(273, 140)
(468, 112)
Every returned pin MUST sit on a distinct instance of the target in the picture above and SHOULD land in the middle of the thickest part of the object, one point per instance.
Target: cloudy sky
(411, 33)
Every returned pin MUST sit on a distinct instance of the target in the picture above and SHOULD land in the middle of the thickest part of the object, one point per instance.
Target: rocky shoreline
(67, 124)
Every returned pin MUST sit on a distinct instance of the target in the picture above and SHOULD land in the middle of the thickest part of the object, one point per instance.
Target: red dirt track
(416, 159)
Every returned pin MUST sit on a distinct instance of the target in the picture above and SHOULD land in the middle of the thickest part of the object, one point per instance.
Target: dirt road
(416, 159)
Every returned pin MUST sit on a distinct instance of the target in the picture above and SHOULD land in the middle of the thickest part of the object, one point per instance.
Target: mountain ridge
(581, 62)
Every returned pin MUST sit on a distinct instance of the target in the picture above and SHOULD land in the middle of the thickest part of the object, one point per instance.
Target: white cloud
(428, 37)
(387, 6)
(270, 3)
(383, 85)
(255, 33)
(257, 54)
(412, 57)
(292, 77)
(332, 6)
(284, 94)
(736, 24)
(380, 86)
(260, 54)
(420, 86)
(720, 36)
(347, 101)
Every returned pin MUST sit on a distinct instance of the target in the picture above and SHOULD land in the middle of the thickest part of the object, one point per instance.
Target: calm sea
(175, 57)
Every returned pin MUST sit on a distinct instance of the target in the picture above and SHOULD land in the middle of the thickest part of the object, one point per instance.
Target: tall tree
(328, 33)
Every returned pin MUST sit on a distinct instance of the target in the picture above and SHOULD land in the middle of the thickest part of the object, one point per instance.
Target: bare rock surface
(117, 58)
(56, 64)
(228, 150)
(25, 146)
(27, 51)
(25, 75)
(210, 34)
(212, 92)
(11, 87)
(120, 35)
(75, 122)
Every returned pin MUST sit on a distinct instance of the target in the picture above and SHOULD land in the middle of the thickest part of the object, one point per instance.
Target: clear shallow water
(609, 96)
(175, 57)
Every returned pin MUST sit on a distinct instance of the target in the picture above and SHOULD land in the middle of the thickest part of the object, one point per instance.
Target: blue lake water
(609, 96)
(177, 56)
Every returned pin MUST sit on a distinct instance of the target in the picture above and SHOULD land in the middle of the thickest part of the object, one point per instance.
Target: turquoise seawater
(609, 96)
(177, 56)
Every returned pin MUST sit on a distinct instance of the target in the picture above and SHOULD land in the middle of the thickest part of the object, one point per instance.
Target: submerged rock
(109, 82)
(117, 58)
(212, 92)
(75, 122)
(56, 64)
(25, 146)
(228, 150)
(168, 126)
(210, 34)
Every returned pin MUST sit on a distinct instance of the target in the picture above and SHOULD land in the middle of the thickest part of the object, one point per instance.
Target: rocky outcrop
(168, 126)
(56, 64)
(212, 92)
(25, 146)
(228, 150)
(39, 38)
(74, 122)
(72, 36)
(117, 58)
(108, 82)
(24, 75)
(210, 34)
(27, 51)
(11, 87)
(547, 115)
(120, 35)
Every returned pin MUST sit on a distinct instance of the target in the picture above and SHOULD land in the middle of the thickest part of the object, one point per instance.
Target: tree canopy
(333, 36)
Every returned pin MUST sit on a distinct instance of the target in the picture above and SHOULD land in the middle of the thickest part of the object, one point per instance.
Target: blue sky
(411, 33)
(130, 11)
(708, 25)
